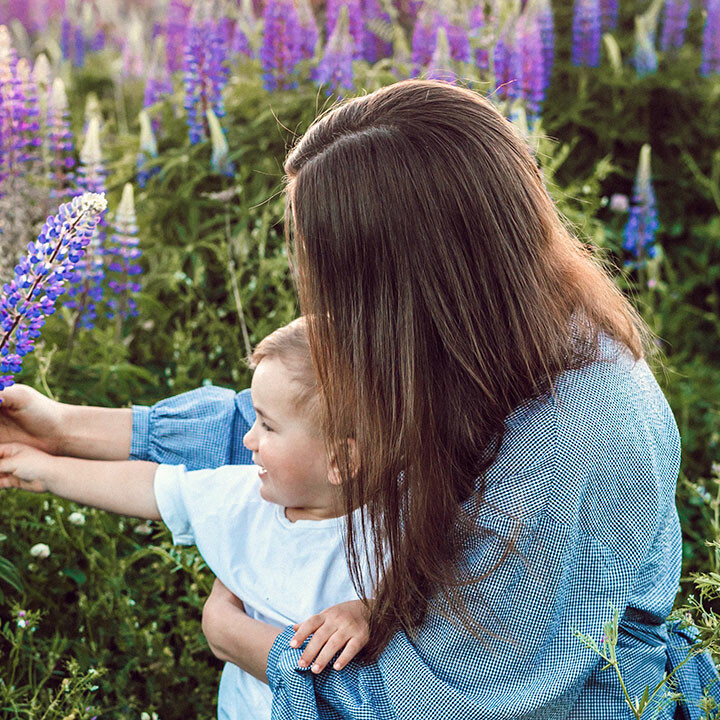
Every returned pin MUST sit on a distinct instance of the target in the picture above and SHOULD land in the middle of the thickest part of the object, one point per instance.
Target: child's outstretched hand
(24, 467)
(341, 627)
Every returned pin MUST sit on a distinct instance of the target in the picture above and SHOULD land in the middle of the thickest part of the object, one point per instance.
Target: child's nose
(249, 439)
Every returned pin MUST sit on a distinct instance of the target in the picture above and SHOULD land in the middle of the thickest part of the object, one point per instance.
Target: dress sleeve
(203, 428)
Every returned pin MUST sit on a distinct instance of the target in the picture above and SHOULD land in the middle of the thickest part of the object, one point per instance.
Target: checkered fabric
(587, 478)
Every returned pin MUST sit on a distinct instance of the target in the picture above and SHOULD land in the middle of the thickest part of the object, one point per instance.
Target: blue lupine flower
(375, 47)
(40, 278)
(205, 72)
(642, 225)
(531, 57)
(309, 35)
(645, 58)
(608, 15)
(86, 290)
(335, 68)
(356, 22)
(711, 39)
(148, 150)
(674, 24)
(281, 48)
(440, 66)
(508, 66)
(586, 33)
(478, 26)
(124, 252)
(60, 144)
(546, 25)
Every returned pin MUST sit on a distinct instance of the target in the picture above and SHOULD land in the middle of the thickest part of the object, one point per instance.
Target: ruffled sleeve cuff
(140, 440)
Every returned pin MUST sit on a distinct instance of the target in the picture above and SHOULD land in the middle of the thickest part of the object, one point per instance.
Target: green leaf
(74, 574)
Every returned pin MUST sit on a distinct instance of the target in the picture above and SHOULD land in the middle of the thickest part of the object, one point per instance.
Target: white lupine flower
(76, 518)
(41, 550)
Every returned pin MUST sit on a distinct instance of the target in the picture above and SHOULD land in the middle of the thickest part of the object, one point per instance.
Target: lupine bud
(711, 40)
(148, 150)
(308, 36)
(86, 290)
(377, 33)
(40, 278)
(586, 33)
(642, 224)
(59, 143)
(124, 253)
(281, 48)
(645, 60)
(219, 159)
(158, 84)
(440, 67)
(356, 22)
(335, 69)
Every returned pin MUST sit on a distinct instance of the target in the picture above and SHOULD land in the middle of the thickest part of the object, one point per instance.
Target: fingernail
(316, 668)
(336, 666)
(302, 663)
(293, 643)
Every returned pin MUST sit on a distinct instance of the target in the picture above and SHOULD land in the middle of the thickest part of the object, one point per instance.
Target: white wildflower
(41, 550)
(76, 518)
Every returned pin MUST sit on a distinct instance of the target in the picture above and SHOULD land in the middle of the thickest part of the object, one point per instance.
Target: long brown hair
(442, 290)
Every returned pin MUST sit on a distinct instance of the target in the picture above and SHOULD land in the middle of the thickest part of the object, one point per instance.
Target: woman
(514, 457)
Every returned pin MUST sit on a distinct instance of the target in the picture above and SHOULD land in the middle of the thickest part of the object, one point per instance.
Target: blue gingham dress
(589, 477)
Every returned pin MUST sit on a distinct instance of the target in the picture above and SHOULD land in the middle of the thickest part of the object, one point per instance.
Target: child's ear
(334, 475)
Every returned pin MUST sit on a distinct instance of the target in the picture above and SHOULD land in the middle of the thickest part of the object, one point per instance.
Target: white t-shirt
(283, 571)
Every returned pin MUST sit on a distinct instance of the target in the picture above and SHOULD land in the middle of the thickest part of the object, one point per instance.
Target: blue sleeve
(203, 428)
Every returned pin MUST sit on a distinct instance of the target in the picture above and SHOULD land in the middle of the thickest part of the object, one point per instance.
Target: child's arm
(123, 487)
(341, 627)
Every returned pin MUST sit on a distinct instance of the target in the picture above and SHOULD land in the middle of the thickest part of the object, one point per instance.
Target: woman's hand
(23, 467)
(341, 627)
(28, 417)
(235, 637)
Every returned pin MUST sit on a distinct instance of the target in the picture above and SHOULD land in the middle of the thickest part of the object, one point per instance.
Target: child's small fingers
(329, 650)
(351, 649)
(317, 642)
(304, 629)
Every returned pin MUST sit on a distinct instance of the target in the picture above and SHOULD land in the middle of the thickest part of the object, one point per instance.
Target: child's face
(294, 469)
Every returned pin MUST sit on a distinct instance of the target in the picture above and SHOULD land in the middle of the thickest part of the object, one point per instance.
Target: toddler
(272, 532)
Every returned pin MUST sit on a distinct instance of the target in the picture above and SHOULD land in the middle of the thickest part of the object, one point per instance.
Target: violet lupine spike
(309, 35)
(124, 253)
(178, 18)
(711, 40)
(374, 46)
(29, 127)
(533, 72)
(675, 18)
(60, 144)
(642, 224)
(335, 68)
(423, 39)
(11, 110)
(356, 22)
(478, 30)
(281, 47)
(158, 85)
(86, 290)
(508, 66)
(546, 24)
(586, 33)
(41, 277)
(66, 38)
(205, 72)
(79, 47)
(608, 15)
(440, 66)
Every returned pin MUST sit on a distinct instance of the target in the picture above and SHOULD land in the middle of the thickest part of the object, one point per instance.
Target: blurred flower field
(180, 112)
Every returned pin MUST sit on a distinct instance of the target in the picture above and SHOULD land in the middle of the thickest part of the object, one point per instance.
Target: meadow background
(195, 105)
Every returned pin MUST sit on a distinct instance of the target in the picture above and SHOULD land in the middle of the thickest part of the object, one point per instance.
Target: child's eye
(265, 426)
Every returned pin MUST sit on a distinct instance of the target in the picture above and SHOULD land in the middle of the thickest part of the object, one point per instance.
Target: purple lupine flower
(239, 42)
(29, 127)
(546, 25)
(11, 110)
(79, 47)
(66, 38)
(86, 289)
(440, 66)
(608, 15)
(148, 150)
(178, 18)
(508, 66)
(158, 85)
(205, 72)
(356, 22)
(531, 56)
(478, 27)
(711, 40)
(98, 41)
(40, 278)
(674, 24)
(374, 46)
(642, 225)
(281, 48)
(423, 39)
(645, 58)
(124, 253)
(586, 33)
(335, 68)
(60, 144)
